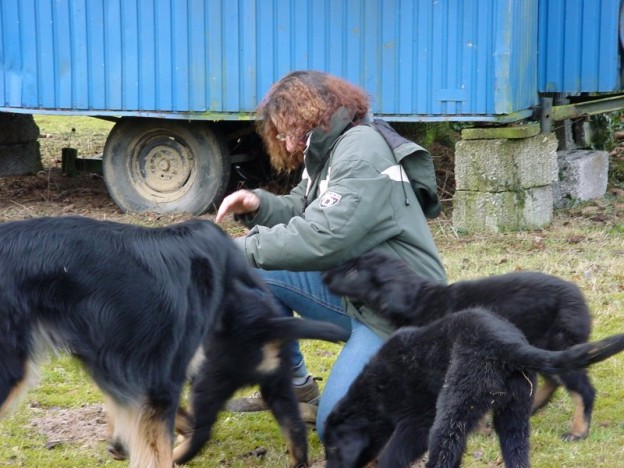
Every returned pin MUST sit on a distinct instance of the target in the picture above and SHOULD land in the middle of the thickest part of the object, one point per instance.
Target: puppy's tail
(292, 328)
(576, 357)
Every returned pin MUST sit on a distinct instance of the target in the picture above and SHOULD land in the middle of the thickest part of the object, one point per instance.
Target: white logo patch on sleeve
(330, 199)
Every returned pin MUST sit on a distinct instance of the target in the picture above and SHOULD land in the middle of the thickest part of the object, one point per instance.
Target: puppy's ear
(333, 276)
(352, 279)
(398, 300)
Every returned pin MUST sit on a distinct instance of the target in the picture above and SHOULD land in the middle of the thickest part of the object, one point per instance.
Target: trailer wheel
(165, 166)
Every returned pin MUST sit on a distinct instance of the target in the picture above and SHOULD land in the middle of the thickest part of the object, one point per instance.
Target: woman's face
(293, 141)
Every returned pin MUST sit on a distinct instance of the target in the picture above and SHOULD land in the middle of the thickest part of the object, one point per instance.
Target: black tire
(165, 166)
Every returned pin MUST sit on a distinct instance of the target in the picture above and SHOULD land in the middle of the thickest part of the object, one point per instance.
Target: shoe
(308, 392)
(308, 413)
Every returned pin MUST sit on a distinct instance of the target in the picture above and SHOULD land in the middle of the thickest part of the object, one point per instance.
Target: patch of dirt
(85, 426)
(51, 193)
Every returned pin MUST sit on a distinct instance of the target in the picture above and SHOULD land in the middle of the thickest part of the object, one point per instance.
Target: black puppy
(428, 387)
(551, 312)
(135, 305)
(247, 348)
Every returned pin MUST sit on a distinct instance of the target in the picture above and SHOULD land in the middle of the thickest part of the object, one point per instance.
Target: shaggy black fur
(551, 312)
(428, 387)
(135, 305)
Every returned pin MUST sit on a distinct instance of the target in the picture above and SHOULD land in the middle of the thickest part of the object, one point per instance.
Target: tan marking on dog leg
(580, 426)
(147, 437)
(151, 444)
(270, 363)
(14, 396)
(183, 422)
(20, 389)
(543, 393)
(109, 407)
(290, 447)
(181, 449)
(294, 455)
(270, 357)
(117, 440)
(295, 452)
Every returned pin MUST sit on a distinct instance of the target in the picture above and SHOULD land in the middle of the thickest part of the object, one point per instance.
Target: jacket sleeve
(350, 218)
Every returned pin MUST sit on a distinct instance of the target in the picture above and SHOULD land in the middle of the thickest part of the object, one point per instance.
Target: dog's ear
(353, 278)
(397, 290)
(397, 299)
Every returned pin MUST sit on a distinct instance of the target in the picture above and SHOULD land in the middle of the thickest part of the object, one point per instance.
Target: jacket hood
(321, 141)
(415, 160)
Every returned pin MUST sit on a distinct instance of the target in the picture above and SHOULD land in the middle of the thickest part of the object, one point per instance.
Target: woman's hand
(239, 202)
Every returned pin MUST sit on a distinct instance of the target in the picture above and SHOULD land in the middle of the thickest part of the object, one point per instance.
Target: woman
(354, 196)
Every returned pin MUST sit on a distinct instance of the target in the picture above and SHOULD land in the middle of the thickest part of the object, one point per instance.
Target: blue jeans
(305, 293)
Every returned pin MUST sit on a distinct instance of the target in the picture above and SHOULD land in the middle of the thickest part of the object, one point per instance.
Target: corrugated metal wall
(419, 59)
(578, 46)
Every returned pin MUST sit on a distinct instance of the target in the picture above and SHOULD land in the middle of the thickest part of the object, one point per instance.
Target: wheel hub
(165, 166)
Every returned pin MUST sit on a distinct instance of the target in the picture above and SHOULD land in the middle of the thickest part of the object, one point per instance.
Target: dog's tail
(293, 328)
(576, 357)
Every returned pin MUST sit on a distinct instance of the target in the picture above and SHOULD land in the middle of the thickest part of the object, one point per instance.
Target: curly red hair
(300, 102)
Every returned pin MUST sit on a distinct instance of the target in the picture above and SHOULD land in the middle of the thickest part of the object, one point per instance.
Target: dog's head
(380, 281)
(347, 441)
(355, 275)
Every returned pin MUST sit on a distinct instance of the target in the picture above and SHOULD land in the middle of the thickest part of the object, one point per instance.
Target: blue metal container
(579, 46)
(179, 75)
(214, 59)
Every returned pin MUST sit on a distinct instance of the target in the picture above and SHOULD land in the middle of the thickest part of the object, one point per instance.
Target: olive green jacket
(353, 197)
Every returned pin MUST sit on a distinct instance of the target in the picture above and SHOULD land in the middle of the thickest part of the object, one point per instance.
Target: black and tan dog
(135, 305)
(428, 387)
(551, 312)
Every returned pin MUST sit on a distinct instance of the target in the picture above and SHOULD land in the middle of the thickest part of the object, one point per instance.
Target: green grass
(574, 247)
(584, 244)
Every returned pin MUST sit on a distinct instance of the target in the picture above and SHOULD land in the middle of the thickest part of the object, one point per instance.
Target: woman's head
(298, 103)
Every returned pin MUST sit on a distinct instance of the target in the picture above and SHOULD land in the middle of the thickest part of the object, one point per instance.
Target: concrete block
(503, 211)
(583, 175)
(506, 165)
(20, 159)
